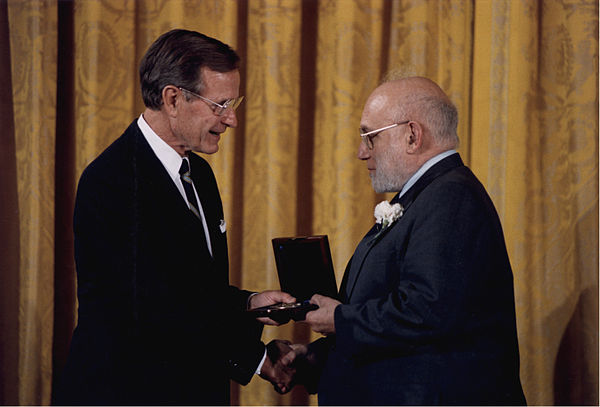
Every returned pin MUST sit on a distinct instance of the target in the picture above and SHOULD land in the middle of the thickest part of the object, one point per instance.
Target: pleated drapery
(524, 77)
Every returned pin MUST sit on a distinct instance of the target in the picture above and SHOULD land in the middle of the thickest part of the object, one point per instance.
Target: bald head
(415, 85)
(422, 100)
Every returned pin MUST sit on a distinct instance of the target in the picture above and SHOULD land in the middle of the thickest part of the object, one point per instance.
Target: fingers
(267, 298)
(270, 297)
(316, 299)
(284, 297)
(280, 366)
(275, 296)
(269, 321)
(277, 348)
(299, 348)
(322, 320)
(281, 388)
(287, 359)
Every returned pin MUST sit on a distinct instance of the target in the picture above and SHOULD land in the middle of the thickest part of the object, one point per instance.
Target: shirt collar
(169, 158)
(430, 163)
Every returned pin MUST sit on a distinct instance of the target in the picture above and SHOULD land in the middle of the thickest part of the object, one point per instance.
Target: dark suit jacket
(428, 314)
(156, 312)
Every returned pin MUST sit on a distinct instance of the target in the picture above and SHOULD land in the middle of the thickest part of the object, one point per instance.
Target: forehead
(377, 110)
(223, 84)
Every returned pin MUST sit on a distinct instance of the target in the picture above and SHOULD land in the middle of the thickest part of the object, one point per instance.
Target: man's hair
(442, 117)
(176, 58)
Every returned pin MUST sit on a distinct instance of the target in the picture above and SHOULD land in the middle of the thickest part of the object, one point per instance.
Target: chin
(208, 150)
(381, 187)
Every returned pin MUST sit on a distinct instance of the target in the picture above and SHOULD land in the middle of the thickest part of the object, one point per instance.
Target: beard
(390, 173)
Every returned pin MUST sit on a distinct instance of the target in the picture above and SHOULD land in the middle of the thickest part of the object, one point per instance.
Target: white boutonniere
(386, 214)
(223, 226)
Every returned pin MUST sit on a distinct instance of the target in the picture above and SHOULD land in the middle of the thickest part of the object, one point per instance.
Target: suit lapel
(364, 247)
(375, 235)
(353, 268)
(211, 206)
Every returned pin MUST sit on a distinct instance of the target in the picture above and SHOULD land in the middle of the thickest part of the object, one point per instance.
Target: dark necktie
(186, 180)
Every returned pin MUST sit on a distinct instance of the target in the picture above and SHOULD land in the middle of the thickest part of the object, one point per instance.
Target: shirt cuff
(248, 301)
(262, 361)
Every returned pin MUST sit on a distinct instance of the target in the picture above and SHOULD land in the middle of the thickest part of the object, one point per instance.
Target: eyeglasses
(218, 108)
(368, 137)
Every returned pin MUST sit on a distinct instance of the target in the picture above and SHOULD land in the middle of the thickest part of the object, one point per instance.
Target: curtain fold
(349, 46)
(270, 154)
(33, 51)
(9, 231)
(535, 146)
(524, 77)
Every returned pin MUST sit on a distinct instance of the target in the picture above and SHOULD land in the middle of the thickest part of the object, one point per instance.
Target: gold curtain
(523, 74)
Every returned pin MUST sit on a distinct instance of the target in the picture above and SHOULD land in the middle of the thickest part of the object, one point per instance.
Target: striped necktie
(186, 180)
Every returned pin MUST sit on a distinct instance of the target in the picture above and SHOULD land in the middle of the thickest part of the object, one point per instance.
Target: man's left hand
(322, 320)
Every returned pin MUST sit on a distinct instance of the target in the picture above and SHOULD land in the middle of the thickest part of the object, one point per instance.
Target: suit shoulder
(459, 190)
(461, 180)
(114, 159)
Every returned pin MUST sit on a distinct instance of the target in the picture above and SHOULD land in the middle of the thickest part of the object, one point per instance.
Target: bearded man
(426, 313)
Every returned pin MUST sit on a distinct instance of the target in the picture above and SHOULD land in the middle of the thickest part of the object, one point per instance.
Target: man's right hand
(298, 352)
(281, 376)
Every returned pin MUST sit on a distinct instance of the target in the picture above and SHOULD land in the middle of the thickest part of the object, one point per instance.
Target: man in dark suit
(158, 321)
(427, 312)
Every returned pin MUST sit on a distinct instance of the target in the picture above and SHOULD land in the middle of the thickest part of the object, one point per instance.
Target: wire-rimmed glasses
(217, 108)
(368, 137)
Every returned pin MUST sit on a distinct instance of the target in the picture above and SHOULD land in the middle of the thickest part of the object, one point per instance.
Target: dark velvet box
(304, 268)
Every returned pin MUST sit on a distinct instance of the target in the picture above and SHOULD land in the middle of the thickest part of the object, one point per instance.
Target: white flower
(386, 214)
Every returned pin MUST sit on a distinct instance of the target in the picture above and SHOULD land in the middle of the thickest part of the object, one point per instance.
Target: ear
(414, 138)
(171, 97)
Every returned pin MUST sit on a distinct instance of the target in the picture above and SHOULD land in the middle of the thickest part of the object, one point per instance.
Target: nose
(229, 118)
(363, 151)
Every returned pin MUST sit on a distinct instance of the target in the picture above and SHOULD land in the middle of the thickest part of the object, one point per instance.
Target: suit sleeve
(246, 349)
(309, 369)
(104, 252)
(446, 268)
